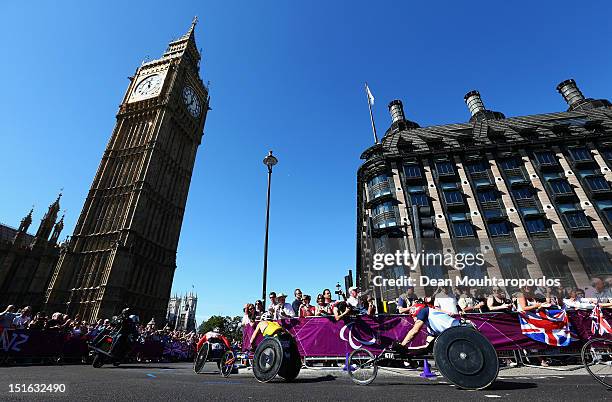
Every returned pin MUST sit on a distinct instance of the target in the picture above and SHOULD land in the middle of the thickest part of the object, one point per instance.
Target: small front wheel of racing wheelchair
(200, 359)
(98, 360)
(466, 358)
(277, 355)
(362, 366)
(227, 363)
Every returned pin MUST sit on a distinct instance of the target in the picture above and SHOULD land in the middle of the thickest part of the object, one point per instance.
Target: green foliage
(228, 326)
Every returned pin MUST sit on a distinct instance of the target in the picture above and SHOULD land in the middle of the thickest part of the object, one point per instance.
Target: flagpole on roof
(370, 99)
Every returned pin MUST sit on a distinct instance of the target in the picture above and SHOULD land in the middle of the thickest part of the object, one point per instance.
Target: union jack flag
(599, 325)
(547, 326)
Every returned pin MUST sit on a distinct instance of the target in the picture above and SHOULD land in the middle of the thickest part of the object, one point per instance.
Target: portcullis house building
(532, 193)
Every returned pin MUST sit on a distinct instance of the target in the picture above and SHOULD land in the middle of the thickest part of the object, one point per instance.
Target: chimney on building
(474, 102)
(570, 92)
(397, 111)
(478, 110)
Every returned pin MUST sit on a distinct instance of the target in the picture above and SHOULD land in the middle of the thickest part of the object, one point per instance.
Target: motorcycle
(105, 349)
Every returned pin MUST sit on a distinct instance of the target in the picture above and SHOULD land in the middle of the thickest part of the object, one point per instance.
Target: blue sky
(286, 76)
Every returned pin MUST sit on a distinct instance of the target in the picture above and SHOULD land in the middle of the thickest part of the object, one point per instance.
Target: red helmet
(414, 310)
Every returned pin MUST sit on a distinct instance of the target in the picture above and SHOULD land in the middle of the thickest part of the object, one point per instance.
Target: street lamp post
(269, 161)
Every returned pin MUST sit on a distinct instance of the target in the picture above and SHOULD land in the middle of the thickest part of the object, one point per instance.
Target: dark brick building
(532, 191)
(27, 261)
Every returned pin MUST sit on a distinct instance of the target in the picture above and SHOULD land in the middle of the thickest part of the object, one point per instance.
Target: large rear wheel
(200, 359)
(362, 366)
(268, 359)
(466, 358)
(597, 359)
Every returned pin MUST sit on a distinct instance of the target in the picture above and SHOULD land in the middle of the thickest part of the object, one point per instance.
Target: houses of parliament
(123, 249)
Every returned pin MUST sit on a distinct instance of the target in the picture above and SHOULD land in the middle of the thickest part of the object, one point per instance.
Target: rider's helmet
(135, 318)
(414, 310)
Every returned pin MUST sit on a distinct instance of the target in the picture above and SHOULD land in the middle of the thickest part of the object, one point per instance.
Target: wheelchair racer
(266, 328)
(212, 335)
(436, 321)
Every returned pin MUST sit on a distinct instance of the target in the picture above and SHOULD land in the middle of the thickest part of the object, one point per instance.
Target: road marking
(151, 375)
(493, 396)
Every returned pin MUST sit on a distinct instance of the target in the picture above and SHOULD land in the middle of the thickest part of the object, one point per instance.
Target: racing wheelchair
(215, 350)
(464, 357)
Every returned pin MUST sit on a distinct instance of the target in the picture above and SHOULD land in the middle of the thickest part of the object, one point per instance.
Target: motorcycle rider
(126, 325)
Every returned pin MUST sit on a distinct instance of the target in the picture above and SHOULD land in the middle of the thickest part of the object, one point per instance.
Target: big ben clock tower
(123, 250)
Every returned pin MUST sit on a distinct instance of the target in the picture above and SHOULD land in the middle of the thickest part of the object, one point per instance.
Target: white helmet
(135, 318)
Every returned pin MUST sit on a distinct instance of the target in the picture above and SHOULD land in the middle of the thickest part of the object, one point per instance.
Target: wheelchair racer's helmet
(414, 310)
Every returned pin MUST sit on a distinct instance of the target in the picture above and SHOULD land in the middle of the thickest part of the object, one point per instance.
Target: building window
(482, 182)
(522, 193)
(379, 186)
(449, 186)
(463, 229)
(493, 213)
(499, 229)
(412, 171)
(546, 158)
(382, 208)
(586, 172)
(535, 226)
(577, 220)
(476, 167)
(608, 214)
(453, 197)
(511, 163)
(516, 179)
(596, 261)
(419, 199)
(525, 211)
(415, 189)
(445, 169)
(597, 183)
(458, 216)
(607, 154)
(486, 196)
(560, 186)
(580, 154)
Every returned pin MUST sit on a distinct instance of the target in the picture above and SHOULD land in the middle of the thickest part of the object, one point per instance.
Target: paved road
(166, 382)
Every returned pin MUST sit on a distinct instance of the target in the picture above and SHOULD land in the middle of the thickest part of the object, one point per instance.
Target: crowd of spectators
(278, 308)
(450, 300)
(171, 344)
(496, 299)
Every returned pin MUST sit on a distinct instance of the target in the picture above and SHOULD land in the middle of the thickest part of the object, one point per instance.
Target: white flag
(369, 93)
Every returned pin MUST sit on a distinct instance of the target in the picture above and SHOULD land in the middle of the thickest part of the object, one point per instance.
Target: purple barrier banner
(31, 342)
(323, 336)
(24, 343)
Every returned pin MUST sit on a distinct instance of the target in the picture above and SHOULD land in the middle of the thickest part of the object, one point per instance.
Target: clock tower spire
(123, 249)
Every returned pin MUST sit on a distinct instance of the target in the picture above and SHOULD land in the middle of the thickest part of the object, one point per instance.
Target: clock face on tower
(191, 101)
(149, 86)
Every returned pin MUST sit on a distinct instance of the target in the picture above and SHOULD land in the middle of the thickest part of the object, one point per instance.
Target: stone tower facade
(26, 261)
(182, 311)
(123, 250)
